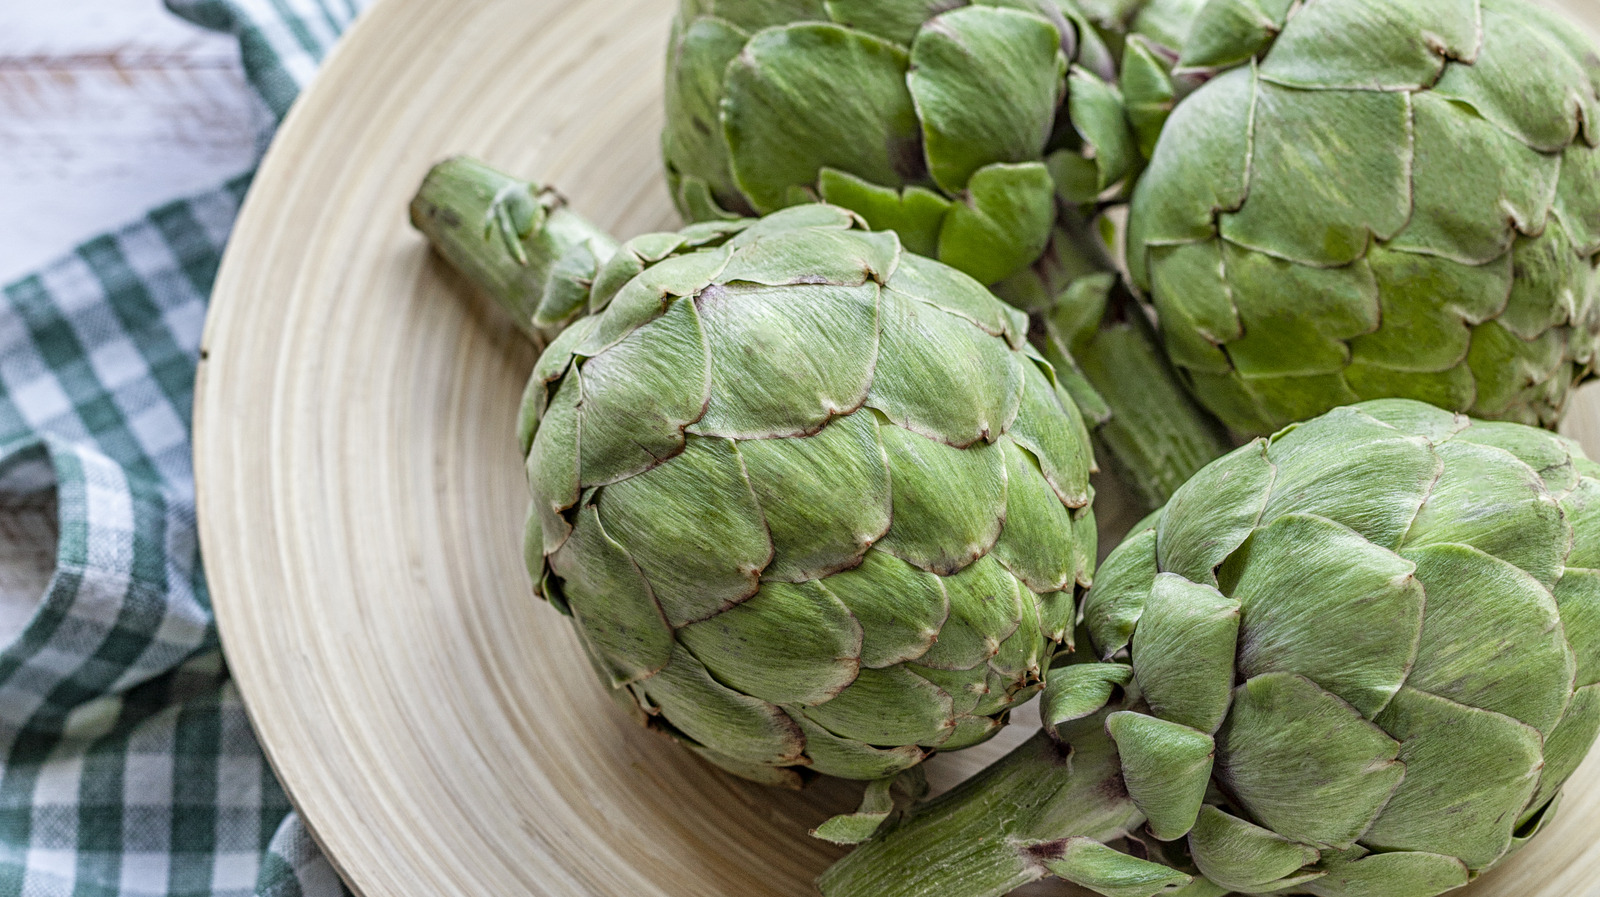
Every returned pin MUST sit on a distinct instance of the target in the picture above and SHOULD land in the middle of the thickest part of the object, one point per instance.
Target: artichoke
(812, 502)
(891, 108)
(1377, 199)
(1359, 658)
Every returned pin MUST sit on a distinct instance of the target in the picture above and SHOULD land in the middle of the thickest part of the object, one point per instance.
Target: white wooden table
(107, 108)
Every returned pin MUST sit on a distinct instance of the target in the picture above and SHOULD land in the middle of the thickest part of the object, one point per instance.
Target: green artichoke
(1377, 199)
(811, 501)
(892, 108)
(953, 124)
(1359, 658)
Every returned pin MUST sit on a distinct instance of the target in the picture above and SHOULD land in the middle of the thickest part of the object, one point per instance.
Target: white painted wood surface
(107, 108)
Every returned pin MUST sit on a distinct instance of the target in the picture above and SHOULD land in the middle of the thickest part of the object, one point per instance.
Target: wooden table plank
(130, 29)
(108, 107)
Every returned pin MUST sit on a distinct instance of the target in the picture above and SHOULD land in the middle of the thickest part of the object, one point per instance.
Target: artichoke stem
(515, 241)
(994, 832)
(1156, 436)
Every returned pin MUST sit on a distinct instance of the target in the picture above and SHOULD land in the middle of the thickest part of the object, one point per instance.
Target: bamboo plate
(361, 499)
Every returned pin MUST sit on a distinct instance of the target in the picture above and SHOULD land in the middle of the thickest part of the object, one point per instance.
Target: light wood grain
(362, 499)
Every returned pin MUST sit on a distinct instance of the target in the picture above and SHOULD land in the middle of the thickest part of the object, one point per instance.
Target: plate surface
(361, 499)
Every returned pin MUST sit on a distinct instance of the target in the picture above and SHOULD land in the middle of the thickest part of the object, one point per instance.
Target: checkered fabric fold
(129, 767)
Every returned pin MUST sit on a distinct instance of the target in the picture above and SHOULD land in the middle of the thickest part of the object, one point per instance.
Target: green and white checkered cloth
(129, 767)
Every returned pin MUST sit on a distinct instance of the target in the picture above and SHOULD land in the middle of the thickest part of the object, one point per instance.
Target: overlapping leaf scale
(1472, 201)
(1304, 763)
(987, 607)
(1197, 327)
(1489, 499)
(1051, 427)
(1232, 32)
(1566, 747)
(722, 719)
(1214, 513)
(1166, 767)
(809, 254)
(1469, 591)
(893, 20)
(1439, 147)
(552, 466)
(942, 377)
(1412, 872)
(1488, 764)
(970, 731)
(949, 503)
(871, 130)
(638, 396)
(810, 215)
(612, 603)
(694, 528)
(851, 758)
(1550, 285)
(1301, 578)
(1181, 193)
(649, 296)
(1523, 81)
(888, 706)
(1305, 335)
(945, 287)
(1432, 423)
(1382, 45)
(1121, 590)
(786, 360)
(547, 373)
(1242, 856)
(901, 608)
(787, 644)
(825, 502)
(754, 15)
(1430, 307)
(1358, 143)
(963, 59)
(1033, 545)
(1354, 470)
(1183, 652)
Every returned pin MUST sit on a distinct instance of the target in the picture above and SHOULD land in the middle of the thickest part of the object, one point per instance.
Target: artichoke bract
(812, 502)
(954, 124)
(1376, 199)
(1358, 658)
